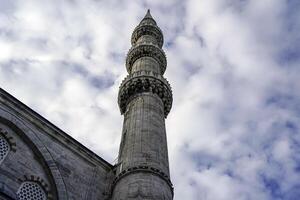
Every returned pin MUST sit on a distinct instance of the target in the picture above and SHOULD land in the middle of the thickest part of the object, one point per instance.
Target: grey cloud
(7, 7)
(233, 67)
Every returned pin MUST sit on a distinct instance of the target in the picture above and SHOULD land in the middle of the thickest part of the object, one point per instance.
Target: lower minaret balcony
(145, 81)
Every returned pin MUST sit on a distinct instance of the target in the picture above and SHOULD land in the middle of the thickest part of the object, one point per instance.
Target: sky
(234, 68)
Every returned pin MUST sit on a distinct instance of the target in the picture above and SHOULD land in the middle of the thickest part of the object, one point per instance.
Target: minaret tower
(145, 99)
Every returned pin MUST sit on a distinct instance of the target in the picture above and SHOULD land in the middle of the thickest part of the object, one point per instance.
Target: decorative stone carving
(9, 139)
(4, 148)
(145, 81)
(150, 50)
(147, 29)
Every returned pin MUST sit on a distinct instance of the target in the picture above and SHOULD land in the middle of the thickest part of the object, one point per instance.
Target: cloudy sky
(234, 66)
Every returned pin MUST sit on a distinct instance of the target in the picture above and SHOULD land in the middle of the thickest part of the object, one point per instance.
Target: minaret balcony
(146, 50)
(145, 81)
(147, 29)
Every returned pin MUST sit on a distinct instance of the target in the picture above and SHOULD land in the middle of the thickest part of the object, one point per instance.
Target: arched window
(30, 190)
(4, 148)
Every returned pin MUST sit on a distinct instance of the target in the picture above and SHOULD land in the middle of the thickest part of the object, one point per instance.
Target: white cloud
(234, 122)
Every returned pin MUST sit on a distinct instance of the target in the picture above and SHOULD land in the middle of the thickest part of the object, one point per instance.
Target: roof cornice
(27, 113)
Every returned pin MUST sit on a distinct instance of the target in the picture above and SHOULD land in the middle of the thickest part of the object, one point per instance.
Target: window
(4, 148)
(30, 190)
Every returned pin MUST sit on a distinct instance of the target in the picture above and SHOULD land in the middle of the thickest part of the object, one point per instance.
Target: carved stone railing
(146, 50)
(145, 81)
(147, 29)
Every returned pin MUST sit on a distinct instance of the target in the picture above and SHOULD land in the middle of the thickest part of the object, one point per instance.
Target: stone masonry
(145, 99)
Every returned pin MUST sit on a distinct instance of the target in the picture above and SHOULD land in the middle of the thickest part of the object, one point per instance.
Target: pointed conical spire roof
(147, 26)
(148, 18)
(148, 14)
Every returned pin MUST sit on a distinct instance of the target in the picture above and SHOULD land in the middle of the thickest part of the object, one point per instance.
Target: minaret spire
(148, 19)
(145, 99)
(148, 14)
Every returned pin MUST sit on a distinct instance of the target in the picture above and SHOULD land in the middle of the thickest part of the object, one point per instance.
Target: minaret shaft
(145, 99)
(145, 64)
(144, 135)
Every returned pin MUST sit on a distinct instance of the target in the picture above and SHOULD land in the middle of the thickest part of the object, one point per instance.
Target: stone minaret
(145, 99)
